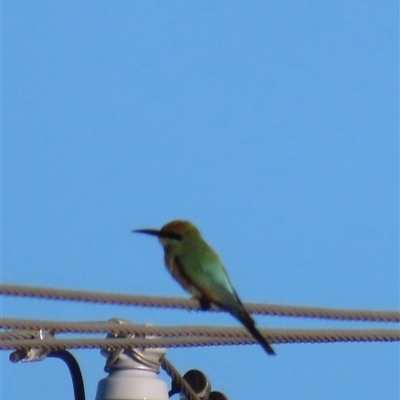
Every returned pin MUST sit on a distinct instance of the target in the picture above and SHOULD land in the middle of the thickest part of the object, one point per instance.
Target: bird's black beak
(159, 234)
(152, 232)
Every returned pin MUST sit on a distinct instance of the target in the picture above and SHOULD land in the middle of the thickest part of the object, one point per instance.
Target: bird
(201, 272)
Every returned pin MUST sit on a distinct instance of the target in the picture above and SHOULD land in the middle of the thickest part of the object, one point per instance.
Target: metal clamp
(32, 354)
(148, 359)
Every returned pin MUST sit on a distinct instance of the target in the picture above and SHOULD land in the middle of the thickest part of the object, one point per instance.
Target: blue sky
(271, 125)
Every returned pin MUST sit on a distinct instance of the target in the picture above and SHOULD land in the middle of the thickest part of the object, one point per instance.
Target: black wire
(175, 388)
(75, 371)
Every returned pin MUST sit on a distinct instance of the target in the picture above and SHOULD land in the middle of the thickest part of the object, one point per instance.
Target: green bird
(200, 271)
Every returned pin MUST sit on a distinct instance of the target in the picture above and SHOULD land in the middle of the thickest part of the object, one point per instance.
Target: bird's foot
(204, 304)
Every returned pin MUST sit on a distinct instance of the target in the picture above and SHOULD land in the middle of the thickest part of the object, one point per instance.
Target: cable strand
(190, 304)
(280, 336)
(177, 378)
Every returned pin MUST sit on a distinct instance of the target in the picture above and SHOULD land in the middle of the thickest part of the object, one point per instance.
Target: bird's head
(171, 233)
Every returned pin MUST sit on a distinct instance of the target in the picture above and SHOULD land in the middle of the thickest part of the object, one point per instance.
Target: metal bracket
(32, 354)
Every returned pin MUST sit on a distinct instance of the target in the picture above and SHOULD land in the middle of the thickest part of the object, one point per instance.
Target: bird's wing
(210, 279)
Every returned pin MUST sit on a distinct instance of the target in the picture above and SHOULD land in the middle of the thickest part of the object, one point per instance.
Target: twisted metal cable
(18, 334)
(272, 335)
(189, 304)
(62, 344)
(178, 379)
(127, 328)
(159, 331)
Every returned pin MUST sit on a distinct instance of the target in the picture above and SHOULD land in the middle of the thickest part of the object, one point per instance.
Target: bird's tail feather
(236, 308)
(250, 325)
(245, 318)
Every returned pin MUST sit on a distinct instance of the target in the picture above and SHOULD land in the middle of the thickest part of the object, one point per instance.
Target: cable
(75, 371)
(178, 380)
(189, 304)
(29, 326)
(112, 327)
(273, 335)
(18, 334)
(64, 355)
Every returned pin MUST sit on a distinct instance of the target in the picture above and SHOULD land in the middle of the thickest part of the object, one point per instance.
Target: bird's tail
(250, 325)
(232, 303)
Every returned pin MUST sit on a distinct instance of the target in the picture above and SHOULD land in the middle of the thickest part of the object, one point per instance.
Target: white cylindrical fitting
(132, 384)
